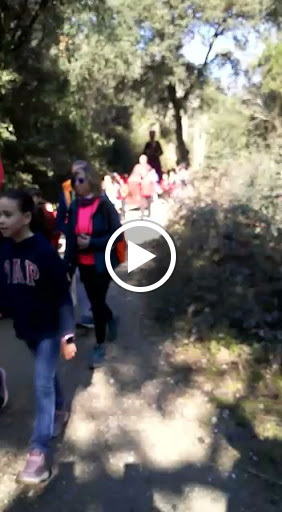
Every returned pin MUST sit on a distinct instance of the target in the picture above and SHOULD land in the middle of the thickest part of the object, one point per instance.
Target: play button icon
(137, 233)
(137, 256)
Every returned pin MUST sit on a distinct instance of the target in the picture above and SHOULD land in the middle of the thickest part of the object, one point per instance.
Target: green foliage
(36, 133)
(87, 79)
(7, 79)
(227, 129)
(271, 65)
(244, 146)
(168, 79)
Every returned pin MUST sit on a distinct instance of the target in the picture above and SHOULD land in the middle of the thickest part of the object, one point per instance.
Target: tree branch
(4, 8)
(28, 28)
(18, 24)
(218, 32)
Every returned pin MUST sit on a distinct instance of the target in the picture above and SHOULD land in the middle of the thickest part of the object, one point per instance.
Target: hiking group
(36, 283)
(146, 183)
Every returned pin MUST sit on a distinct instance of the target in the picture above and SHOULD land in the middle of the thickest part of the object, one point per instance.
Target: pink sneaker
(35, 470)
(3, 389)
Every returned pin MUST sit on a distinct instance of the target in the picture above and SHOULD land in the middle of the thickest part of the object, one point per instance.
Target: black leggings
(96, 286)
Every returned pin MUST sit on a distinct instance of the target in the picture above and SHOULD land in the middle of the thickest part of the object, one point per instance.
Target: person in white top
(110, 189)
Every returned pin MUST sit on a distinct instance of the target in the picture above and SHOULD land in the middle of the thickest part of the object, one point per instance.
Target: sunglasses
(78, 180)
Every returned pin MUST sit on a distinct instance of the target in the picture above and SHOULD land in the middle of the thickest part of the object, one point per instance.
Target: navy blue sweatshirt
(34, 289)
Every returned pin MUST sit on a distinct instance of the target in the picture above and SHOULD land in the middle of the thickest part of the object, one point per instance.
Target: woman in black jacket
(92, 221)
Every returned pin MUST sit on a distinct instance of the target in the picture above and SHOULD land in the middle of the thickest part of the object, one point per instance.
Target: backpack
(121, 249)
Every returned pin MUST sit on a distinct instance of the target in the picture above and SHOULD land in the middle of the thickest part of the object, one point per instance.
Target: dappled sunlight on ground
(203, 498)
(163, 441)
(132, 421)
(144, 434)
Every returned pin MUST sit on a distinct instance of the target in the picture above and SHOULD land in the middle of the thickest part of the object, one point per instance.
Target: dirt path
(141, 437)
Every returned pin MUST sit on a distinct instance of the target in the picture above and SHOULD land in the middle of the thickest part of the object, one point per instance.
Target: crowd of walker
(36, 282)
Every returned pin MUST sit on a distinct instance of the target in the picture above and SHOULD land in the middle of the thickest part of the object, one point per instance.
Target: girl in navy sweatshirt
(34, 291)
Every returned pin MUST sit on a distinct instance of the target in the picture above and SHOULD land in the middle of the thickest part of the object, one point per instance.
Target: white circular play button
(136, 233)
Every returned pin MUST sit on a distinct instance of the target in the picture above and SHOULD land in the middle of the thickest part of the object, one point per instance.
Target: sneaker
(36, 470)
(87, 322)
(3, 389)
(98, 356)
(60, 422)
(113, 325)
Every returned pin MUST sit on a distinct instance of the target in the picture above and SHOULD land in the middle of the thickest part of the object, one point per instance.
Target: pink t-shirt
(84, 226)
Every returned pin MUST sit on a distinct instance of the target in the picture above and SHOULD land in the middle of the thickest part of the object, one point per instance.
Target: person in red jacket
(148, 186)
(122, 192)
(44, 217)
(143, 184)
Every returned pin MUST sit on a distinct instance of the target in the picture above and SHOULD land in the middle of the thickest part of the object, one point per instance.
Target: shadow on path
(85, 482)
(141, 488)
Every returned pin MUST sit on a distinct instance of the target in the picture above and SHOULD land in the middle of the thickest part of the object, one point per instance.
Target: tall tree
(37, 136)
(170, 77)
(101, 60)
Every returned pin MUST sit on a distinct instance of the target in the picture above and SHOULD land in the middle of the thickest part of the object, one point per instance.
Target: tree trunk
(182, 150)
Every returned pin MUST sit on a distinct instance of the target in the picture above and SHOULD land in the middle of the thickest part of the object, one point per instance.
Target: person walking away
(173, 182)
(165, 187)
(153, 151)
(92, 221)
(148, 187)
(122, 193)
(44, 220)
(183, 175)
(134, 183)
(135, 178)
(66, 197)
(35, 291)
(110, 189)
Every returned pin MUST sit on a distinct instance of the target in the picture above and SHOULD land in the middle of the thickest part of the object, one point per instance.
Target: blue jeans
(48, 394)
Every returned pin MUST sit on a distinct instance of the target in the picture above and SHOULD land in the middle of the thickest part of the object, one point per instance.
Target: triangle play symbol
(137, 256)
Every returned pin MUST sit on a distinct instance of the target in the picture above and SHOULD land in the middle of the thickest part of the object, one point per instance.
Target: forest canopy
(88, 79)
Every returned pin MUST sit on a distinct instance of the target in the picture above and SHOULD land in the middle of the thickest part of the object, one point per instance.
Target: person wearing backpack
(44, 220)
(92, 220)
